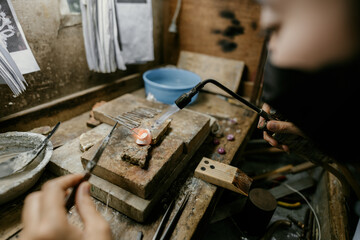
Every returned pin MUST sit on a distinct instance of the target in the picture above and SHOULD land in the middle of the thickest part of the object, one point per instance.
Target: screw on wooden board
(223, 175)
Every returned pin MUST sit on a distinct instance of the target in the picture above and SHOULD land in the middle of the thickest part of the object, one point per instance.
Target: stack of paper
(135, 22)
(101, 37)
(10, 73)
(16, 57)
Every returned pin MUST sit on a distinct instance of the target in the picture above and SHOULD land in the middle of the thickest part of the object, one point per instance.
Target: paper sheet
(136, 30)
(16, 57)
(101, 39)
(13, 39)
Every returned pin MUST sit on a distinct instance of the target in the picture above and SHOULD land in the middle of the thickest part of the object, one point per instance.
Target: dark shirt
(323, 104)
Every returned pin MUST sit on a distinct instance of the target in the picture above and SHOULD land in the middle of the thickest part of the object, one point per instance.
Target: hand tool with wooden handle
(223, 175)
(89, 167)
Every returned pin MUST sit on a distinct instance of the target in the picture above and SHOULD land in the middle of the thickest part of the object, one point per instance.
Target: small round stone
(221, 150)
(230, 137)
(216, 141)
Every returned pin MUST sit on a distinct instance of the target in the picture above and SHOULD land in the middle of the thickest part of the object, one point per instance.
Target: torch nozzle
(185, 98)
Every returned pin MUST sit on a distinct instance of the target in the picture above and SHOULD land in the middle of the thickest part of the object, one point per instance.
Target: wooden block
(141, 182)
(93, 136)
(158, 132)
(135, 207)
(226, 71)
(70, 130)
(186, 125)
(121, 105)
(189, 126)
(130, 103)
(223, 175)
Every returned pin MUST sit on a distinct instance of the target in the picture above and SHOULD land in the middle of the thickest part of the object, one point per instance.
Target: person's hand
(44, 215)
(277, 127)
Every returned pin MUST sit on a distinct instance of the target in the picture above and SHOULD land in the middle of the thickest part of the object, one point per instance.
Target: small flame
(142, 136)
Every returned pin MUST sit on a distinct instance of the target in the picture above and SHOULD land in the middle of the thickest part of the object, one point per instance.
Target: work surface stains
(230, 32)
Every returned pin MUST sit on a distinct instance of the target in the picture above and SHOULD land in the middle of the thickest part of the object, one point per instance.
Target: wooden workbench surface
(203, 195)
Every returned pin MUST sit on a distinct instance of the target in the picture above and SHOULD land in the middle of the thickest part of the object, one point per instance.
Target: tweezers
(169, 229)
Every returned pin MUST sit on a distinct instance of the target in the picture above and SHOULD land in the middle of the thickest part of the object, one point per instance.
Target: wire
(173, 27)
(312, 209)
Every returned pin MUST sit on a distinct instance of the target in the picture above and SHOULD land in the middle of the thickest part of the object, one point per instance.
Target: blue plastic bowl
(167, 84)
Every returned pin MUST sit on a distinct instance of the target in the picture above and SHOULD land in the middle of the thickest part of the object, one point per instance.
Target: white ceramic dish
(12, 143)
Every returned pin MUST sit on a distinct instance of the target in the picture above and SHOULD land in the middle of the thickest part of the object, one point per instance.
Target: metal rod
(130, 120)
(163, 221)
(121, 123)
(127, 121)
(133, 115)
(169, 229)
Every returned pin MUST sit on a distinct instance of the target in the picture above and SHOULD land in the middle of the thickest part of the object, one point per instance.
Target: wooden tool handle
(223, 175)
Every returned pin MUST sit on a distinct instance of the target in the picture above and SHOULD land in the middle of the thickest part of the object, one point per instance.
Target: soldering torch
(185, 98)
(297, 144)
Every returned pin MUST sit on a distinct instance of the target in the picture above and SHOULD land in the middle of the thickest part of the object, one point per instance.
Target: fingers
(55, 190)
(262, 122)
(275, 143)
(31, 214)
(64, 182)
(95, 224)
(283, 127)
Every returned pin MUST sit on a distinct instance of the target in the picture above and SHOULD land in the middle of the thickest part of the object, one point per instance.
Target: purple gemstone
(230, 137)
(221, 150)
(216, 141)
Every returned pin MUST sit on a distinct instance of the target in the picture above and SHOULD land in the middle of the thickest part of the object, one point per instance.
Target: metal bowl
(13, 143)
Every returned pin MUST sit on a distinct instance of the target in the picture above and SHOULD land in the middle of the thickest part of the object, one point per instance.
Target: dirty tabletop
(203, 195)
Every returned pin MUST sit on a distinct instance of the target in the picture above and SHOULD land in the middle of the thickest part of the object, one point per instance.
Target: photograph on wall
(13, 39)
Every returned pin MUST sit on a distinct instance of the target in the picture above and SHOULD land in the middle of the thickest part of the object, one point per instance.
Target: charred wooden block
(136, 154)
(142, 182)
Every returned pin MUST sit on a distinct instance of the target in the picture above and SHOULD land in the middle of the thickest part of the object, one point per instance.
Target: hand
(277, 127)
(44, 215)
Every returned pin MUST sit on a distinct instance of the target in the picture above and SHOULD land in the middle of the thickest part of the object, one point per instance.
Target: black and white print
(10, 36)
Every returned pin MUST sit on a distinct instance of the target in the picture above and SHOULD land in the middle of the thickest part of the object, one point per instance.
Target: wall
(222, 28)
(60, 53)
(59, 49)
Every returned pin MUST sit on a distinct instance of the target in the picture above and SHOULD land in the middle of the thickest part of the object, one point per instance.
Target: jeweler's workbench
(232, 119)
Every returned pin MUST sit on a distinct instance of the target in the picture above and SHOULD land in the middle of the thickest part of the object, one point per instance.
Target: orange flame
(142, 136)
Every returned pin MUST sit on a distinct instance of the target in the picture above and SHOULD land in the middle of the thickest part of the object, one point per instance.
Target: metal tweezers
(169, 229)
